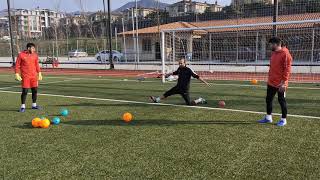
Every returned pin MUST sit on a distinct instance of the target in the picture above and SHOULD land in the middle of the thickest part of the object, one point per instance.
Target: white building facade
(31, 23)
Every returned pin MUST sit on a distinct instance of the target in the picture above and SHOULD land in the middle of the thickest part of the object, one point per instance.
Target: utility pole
(11, 36)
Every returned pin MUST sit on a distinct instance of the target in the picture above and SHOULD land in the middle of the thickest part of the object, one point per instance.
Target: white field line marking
(260, 86)
(53, 82)
(130, 80)
(164, 104)
(104, 79)
(10, 87)
(217, 84)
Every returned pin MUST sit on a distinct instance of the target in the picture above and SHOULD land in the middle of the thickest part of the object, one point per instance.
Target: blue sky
(74, 5)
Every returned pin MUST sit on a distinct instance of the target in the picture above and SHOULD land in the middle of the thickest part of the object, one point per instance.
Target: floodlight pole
(110, 36)
(124, 40)
(137, 33)
(11, 36)
(275, 16)
(108, 30)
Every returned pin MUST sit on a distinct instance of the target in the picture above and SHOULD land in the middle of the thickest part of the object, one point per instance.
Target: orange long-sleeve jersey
(27, 64)
(280, 67)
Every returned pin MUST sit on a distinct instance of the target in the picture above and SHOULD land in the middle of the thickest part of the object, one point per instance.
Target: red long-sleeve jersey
(27, 64)
(280, 67)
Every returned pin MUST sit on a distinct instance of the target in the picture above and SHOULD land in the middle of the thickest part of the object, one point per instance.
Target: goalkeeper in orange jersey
(27, 71)
(278, 79)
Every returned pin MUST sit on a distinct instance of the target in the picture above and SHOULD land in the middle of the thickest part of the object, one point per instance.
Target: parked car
(104, 56)
(77, 53)
(6, 38)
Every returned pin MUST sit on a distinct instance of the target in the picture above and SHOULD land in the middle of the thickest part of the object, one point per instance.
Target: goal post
(241, 52)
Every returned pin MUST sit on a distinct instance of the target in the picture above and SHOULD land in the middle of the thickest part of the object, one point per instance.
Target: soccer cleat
(22, 110)
(281, 123)
(36, 107)
(264, 121)
(154, 99)
(203, 101)
(200, 100)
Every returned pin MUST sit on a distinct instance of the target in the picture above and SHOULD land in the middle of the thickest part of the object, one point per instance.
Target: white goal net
(241, 52)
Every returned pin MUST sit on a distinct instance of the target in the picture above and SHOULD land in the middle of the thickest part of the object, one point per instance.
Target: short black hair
(276, 40)
(284, 43)
(184, 59)
(29, 45)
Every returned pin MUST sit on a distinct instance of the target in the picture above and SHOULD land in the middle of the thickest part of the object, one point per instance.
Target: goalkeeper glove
(18, 77)
(40, 76)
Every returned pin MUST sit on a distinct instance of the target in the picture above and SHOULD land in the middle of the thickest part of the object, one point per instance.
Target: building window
(146, 45)
(181, 9)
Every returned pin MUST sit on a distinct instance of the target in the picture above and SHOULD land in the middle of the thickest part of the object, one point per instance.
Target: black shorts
(176, 90)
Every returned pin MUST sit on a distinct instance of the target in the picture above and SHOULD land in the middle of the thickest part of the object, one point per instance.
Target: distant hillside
(143, 3)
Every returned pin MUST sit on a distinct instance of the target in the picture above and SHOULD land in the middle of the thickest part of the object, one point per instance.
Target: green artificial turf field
(163, 141)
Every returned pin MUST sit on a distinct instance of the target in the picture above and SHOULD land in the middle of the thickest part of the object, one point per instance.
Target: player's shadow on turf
(154, 122)
(24, 126)
(116, 105)
(9, 110)
(102, 105)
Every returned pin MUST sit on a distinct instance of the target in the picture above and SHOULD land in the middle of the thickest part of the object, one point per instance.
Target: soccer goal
(241, 52)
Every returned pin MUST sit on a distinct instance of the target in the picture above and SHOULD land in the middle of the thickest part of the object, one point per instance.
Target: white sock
(34, 104)
(284, 120)
(23, 106)
(197, 101)
(158, 99)
(269, 117)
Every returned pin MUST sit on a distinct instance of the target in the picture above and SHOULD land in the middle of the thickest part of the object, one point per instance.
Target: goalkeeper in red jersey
(27, 71)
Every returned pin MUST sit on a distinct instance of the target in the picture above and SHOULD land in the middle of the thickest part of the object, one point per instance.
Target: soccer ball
(127, 117)
(56, 121)
(64, 112)
(171, 78)
(45, 123)
(36, 122)
(254, 82)
(222, 104)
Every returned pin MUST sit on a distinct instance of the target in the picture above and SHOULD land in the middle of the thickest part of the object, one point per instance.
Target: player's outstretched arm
(166, 75)
(195, 75)
(205, 82)
(170, 74)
